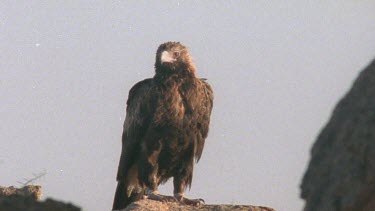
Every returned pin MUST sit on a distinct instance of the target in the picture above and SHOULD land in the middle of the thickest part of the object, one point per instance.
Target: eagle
(167, 122)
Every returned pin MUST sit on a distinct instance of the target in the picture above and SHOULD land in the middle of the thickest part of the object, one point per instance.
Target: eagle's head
(173, 57)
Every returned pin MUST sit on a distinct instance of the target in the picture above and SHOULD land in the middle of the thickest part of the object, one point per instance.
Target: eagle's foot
(186, 201)
(162, 198)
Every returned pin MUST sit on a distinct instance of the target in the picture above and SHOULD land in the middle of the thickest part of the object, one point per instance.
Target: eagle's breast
(170, 109)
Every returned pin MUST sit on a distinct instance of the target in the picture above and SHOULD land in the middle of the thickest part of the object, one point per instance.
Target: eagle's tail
(124, 196)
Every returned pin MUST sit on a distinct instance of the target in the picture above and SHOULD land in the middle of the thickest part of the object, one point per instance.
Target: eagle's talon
(193, 202)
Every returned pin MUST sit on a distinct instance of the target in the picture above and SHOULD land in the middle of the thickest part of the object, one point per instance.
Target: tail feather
(122, 198)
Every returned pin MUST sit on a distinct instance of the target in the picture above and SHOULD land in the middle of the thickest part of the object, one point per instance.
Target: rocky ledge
(150, 205)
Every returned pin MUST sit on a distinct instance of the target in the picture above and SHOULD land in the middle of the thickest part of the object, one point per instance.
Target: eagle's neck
(163, 74)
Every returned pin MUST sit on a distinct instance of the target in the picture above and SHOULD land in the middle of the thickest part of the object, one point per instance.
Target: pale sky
(277, 68)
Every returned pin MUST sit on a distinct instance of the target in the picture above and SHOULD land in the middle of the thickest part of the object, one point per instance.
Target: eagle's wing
(138, 114)
(205, 109)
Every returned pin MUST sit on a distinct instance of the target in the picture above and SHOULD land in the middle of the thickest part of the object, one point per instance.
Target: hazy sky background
(277, 68)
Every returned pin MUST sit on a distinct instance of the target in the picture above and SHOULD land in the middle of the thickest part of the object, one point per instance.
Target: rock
(21, 203)
(33, 191)
(150, 205)
(341, 173)
(26, 199)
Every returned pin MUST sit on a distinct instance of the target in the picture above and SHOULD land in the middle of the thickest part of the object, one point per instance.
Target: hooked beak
(166, 57)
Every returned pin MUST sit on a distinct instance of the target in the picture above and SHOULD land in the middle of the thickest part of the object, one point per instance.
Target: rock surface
(33, 191)
(341, 173)
(150, 205)
(26, 199)
(21, 203)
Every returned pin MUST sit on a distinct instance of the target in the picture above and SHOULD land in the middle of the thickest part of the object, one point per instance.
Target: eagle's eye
(176, 54)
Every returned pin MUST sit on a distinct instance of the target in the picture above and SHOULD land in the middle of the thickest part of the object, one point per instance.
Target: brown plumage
(167, 120)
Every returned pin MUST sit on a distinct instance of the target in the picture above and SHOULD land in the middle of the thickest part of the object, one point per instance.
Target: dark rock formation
(341, 173)
(150, 205)
(26, 199)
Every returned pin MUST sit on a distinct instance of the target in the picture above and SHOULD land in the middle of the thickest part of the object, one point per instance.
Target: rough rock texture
(33, 191)
(341, 173)
(26, 199)
(150, 205)
(21, 203)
